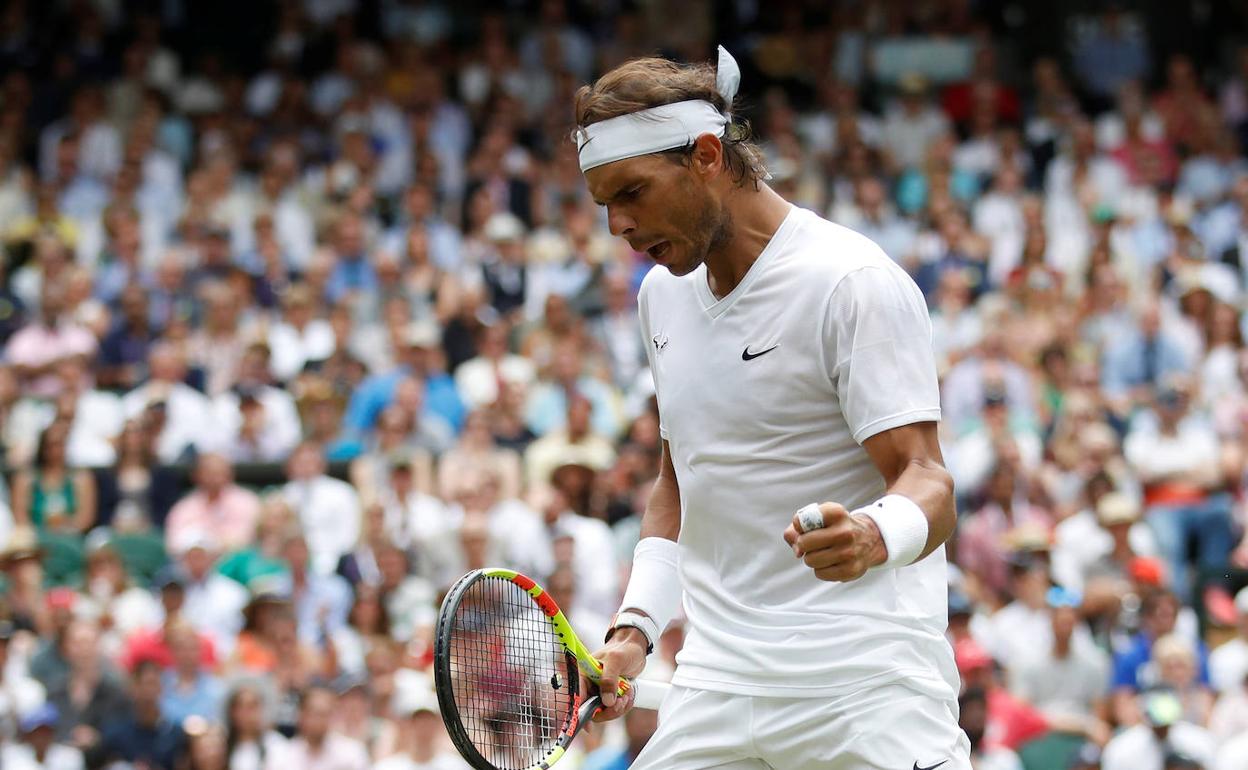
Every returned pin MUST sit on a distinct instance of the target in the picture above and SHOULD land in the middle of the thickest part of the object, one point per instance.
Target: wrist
(627, 635)
(878, 553)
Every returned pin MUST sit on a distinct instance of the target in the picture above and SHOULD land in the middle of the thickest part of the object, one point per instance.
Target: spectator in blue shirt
(188, 688)
(353, 271)
(1134, 669)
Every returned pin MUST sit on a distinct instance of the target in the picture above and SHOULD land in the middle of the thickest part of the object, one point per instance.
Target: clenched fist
(843, 549)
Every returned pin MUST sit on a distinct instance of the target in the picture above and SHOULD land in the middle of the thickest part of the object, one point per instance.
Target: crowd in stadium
(305, 311)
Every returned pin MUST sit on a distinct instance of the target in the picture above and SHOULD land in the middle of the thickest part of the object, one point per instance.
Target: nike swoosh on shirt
(746, 355)
(929, 767)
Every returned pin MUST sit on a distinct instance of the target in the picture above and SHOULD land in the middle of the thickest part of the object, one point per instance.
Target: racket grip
(649, 694)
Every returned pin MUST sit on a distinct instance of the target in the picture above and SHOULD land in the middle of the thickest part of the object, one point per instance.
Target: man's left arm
(851, 542)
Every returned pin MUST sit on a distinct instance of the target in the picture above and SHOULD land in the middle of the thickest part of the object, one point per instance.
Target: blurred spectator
(38, 748)
(217, 506)
(315, 746)
(1228, 664)
(328, 509)
(1174, 451)
(35, 350)
(1134, 669)
(179, 414)
(251, 742)
(1068, 682)
(51, 496)
(144, 736)
(1112, 51)
(1009, 722)
(912, 123)
(478, 380)
(85, 689)
(475, 449)
(19, 694)
(255, 421)
(189, 689)
(1163, 731)
(575, 443)
(986, 752)
(639, 725)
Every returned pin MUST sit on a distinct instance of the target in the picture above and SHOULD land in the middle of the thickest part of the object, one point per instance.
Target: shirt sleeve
(879, 339)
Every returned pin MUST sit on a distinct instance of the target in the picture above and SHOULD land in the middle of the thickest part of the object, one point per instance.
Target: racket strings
(511, 678)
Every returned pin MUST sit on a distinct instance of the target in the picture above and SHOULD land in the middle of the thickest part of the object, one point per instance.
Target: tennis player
(793, 365)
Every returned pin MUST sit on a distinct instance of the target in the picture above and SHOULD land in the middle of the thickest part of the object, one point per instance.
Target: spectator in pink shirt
(217, 505)
(39, 346)
(982, 535)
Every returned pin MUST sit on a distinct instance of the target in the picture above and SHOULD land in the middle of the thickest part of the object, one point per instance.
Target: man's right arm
(625, 654)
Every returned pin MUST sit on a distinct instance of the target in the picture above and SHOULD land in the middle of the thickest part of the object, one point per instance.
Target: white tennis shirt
(765, 397)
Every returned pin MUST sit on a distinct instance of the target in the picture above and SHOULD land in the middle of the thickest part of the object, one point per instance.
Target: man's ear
(707, 159)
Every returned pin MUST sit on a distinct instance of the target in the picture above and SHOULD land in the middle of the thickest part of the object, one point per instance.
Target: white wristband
(903, 526)
(654, 586)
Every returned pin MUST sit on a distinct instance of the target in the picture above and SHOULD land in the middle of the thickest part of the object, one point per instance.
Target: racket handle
(649, 693)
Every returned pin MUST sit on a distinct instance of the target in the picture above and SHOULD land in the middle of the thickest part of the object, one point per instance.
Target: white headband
(665, 127)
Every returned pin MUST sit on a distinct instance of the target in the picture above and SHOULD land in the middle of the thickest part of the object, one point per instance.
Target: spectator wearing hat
(1161, 732)
(38, 748)
(1094, 545)
(1068, 681)
(213, 603)
(1134, 669)
(1175, 453)
(141, 734)
(317, 747)
(22, 563)
(328, 509)
(216, 505)
(19, 693)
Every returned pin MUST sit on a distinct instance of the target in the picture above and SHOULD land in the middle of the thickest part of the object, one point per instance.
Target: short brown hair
(640, 84)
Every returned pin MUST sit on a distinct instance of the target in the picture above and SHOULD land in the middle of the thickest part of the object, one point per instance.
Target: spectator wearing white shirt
(328, 509)
(998, 216)
(1145, 746)
(912, 124)
(1233, 755)
(38, 748)
(300, 337)
(1228, 663)
(253, 420)
(96, 416)
(186, 412)
(420, 742)
(19, 693)
(214, 603)
(478, 379)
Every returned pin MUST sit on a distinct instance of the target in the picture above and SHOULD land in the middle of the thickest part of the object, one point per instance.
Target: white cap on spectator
(423, 334)
(504, 226)
(1241, 601)
(413, 692)
(194, 538)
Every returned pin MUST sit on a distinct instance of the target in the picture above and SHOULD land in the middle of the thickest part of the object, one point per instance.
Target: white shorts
(886, 728)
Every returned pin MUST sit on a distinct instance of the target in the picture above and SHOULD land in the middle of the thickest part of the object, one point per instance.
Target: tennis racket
(508, 668)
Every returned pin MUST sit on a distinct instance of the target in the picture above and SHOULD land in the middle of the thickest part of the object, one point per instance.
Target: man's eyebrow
(615, 194)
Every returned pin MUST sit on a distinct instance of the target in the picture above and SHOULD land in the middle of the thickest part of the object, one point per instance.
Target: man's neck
(756, 215)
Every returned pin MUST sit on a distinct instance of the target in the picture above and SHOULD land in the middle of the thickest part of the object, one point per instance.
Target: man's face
(663, 208)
